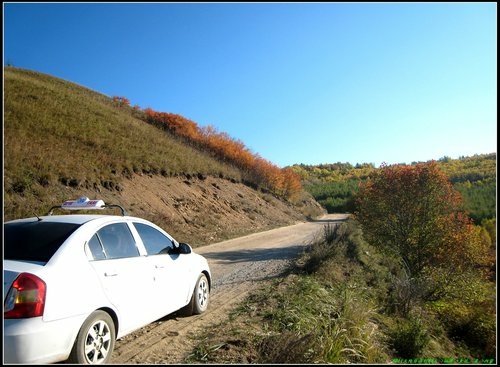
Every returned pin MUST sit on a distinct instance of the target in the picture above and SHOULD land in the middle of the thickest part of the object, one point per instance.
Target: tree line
(334, 185)
(260, 173)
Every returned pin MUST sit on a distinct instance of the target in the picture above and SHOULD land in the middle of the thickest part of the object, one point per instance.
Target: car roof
(68, 218)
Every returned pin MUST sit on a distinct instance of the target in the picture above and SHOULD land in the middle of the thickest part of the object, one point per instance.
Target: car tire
(199, 299)
(95, 341)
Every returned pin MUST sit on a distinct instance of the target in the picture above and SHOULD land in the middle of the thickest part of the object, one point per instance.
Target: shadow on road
(326, 221)
(331, 218)
(262, 254)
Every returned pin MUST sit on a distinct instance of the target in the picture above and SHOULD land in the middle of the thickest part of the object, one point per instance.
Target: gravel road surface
(238, 266)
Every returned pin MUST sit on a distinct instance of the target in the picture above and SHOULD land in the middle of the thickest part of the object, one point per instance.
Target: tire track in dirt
(172, 332)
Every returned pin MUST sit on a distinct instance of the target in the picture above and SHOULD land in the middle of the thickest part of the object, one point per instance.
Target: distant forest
(334, 185)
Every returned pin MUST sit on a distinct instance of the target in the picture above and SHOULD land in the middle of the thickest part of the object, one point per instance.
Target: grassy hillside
(63, 141)
(58, 134)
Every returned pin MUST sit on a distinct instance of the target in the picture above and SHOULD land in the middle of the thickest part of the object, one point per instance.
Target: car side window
(96, 249)
(154, 241)
(117, 241)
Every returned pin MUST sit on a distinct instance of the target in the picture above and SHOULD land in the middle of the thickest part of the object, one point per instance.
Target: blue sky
(295, 82)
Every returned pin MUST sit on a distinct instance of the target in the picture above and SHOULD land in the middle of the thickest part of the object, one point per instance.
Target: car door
(171, 270)
(125, 275)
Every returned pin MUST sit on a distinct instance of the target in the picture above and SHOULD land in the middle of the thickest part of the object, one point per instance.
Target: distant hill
(63, 140)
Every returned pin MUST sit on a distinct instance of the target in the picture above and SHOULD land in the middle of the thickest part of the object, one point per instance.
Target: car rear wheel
(95, 340)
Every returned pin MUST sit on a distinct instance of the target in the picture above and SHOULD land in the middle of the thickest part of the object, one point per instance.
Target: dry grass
(59, 134)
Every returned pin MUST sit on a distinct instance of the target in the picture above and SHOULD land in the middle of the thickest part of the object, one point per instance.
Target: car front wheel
(95, 340)
(200, 295)
(199, 299)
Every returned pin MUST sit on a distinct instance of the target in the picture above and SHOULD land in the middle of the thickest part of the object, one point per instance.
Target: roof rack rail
(84, 203)
(124, 212)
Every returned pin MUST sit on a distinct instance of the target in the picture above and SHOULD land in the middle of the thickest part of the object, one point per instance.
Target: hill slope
(63, 141)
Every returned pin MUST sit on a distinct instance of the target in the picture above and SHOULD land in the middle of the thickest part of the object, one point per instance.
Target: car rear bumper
(34, 341)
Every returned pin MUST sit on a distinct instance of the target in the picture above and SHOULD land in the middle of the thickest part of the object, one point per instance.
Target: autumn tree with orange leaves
(414, 214)
(282, 182)
(122, 101)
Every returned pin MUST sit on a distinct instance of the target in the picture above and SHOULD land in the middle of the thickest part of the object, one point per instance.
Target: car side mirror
(184, 248)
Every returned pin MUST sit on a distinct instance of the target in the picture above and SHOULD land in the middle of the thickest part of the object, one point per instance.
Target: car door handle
(159, 266)
(110, 274)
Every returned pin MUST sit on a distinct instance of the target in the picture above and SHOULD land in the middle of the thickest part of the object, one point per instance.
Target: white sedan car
(75, 283)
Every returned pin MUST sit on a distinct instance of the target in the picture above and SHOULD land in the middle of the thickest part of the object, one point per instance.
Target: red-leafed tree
(414, 213)
(121, 100)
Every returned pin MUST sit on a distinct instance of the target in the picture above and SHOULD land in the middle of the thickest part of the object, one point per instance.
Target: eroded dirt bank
(207, 210)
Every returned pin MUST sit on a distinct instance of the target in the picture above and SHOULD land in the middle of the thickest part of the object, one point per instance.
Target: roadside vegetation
(363, 294)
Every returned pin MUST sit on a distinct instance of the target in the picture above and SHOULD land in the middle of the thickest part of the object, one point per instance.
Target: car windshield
(35, 241)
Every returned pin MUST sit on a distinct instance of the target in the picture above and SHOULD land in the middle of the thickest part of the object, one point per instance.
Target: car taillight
(26, 297)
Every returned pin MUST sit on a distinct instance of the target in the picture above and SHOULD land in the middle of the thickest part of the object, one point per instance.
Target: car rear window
(35, 241)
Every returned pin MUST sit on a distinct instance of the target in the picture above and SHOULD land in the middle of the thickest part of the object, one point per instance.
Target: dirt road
(238, 266)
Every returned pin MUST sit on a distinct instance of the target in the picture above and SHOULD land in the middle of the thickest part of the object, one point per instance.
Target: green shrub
(473, 325)
(480, 335)
(409, 338)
